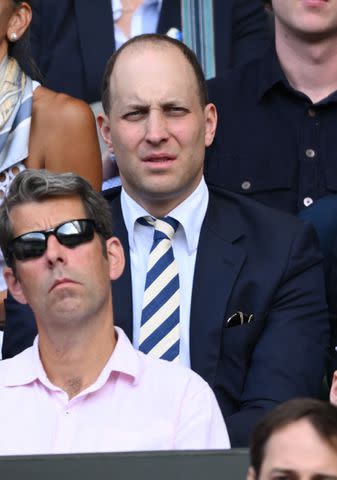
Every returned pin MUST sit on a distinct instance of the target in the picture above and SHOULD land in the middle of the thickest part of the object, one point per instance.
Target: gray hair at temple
(37, 185)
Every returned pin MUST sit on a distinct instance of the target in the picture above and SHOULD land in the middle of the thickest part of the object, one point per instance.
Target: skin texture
(307, 18)
(69, 291)
(157, 127)
(63, 134)
(297, 452)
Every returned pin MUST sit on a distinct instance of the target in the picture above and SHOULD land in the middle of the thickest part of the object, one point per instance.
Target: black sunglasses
(70, 234)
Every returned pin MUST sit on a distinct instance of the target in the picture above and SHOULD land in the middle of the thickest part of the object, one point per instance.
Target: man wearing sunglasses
(82, 387)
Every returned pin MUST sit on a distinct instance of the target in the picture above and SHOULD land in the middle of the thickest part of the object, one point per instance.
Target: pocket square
(239, 318)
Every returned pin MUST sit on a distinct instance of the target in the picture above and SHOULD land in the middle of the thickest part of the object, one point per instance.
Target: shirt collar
(270, 75)
(190, 215)
(270, 72)
(117, 7)
(26, 367)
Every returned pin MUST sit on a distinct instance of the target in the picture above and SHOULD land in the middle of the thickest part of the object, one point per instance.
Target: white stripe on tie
(166, 343)
(164, 312)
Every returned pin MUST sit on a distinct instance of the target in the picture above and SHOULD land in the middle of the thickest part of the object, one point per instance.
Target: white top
(190, 214)
(136, 403)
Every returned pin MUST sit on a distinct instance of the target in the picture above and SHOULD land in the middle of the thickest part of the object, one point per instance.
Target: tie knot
(164, 227)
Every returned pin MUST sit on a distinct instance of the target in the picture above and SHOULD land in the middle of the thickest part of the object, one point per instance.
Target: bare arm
(63, 137)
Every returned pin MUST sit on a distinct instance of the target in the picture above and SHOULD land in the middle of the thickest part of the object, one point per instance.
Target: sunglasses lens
(31, 245)
(69, 234)
(76, 232)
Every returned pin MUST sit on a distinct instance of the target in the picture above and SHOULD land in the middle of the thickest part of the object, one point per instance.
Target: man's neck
(73, 361)
(310, 67)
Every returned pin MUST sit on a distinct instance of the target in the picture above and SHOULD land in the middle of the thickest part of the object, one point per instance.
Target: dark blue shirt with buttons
(276, 146)
(272, 143)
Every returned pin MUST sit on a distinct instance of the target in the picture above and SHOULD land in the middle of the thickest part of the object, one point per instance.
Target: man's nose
(56, 252)
(156, 127)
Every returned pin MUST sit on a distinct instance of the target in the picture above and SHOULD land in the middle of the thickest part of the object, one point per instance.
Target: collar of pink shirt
(26, 367)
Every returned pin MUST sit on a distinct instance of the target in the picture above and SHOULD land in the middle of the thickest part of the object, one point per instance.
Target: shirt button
(246, 185)
(311, 112)
(308, 201)
(310, 153)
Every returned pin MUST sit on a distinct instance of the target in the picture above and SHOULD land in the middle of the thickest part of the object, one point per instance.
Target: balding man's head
(159, 41)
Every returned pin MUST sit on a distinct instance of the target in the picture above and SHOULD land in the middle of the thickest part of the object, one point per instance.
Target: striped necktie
(160, 329)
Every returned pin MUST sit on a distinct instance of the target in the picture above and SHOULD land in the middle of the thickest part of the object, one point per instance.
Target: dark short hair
(37, 185)
(321, 415)
(155, 39)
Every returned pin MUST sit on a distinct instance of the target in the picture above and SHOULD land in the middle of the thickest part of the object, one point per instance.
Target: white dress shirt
(144, 19)
(190, 215)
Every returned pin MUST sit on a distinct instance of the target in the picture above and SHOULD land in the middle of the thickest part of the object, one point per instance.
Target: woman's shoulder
(51, 106)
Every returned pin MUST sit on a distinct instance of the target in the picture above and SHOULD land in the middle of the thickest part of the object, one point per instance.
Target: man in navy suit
(73, 39)
(253, 318)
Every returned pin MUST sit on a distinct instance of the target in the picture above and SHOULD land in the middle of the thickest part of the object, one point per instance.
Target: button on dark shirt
(272, 137)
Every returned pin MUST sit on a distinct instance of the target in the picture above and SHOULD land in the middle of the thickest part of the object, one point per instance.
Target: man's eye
(177, 111)
(134, 115)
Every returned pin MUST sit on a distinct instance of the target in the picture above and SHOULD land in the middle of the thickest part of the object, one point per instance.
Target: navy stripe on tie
(172, 352)
(161, 265)
(162, 297)
(165, 328)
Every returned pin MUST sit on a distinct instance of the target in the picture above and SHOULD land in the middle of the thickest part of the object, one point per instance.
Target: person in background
(297, 440)
(276, 138)
(39, 128)
(72, 40)
(83, 386)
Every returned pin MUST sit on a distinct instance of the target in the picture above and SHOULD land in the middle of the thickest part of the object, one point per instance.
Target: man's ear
(19, 21)
(251, 475)
(333, 390)
(104, 127)
(116, 257)
(14, 285)
(211, 120)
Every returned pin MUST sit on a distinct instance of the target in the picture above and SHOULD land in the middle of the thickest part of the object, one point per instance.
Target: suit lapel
(96, 37)
(122, 288)
(218, 264)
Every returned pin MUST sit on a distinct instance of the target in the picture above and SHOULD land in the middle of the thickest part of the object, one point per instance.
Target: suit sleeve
(251, 32)
(20, 328)
(290, 356)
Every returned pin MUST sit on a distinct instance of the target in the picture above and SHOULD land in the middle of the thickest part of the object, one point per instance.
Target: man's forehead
(46, 213)
(149, 72)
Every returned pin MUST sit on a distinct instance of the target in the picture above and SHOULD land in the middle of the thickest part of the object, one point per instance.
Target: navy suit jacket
(258, 261)
(73, 39)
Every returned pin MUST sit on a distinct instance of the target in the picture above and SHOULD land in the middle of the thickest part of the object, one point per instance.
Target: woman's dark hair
(21, 50)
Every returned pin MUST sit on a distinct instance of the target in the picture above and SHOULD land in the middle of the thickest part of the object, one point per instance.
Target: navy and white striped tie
(160, 329)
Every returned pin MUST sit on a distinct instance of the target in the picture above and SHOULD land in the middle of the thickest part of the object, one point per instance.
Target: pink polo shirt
(137, 403)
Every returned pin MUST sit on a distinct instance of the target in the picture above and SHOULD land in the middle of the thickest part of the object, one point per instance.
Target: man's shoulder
(240, 82)
(16, 371)
(255, 215)
(112, 194)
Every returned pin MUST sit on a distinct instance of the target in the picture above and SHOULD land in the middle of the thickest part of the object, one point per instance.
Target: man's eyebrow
(294, 474)
(136, 106)
(285, 471)
(324, 476)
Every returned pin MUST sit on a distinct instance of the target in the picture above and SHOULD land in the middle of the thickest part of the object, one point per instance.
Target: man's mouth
(159, 158)
(60, 282)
